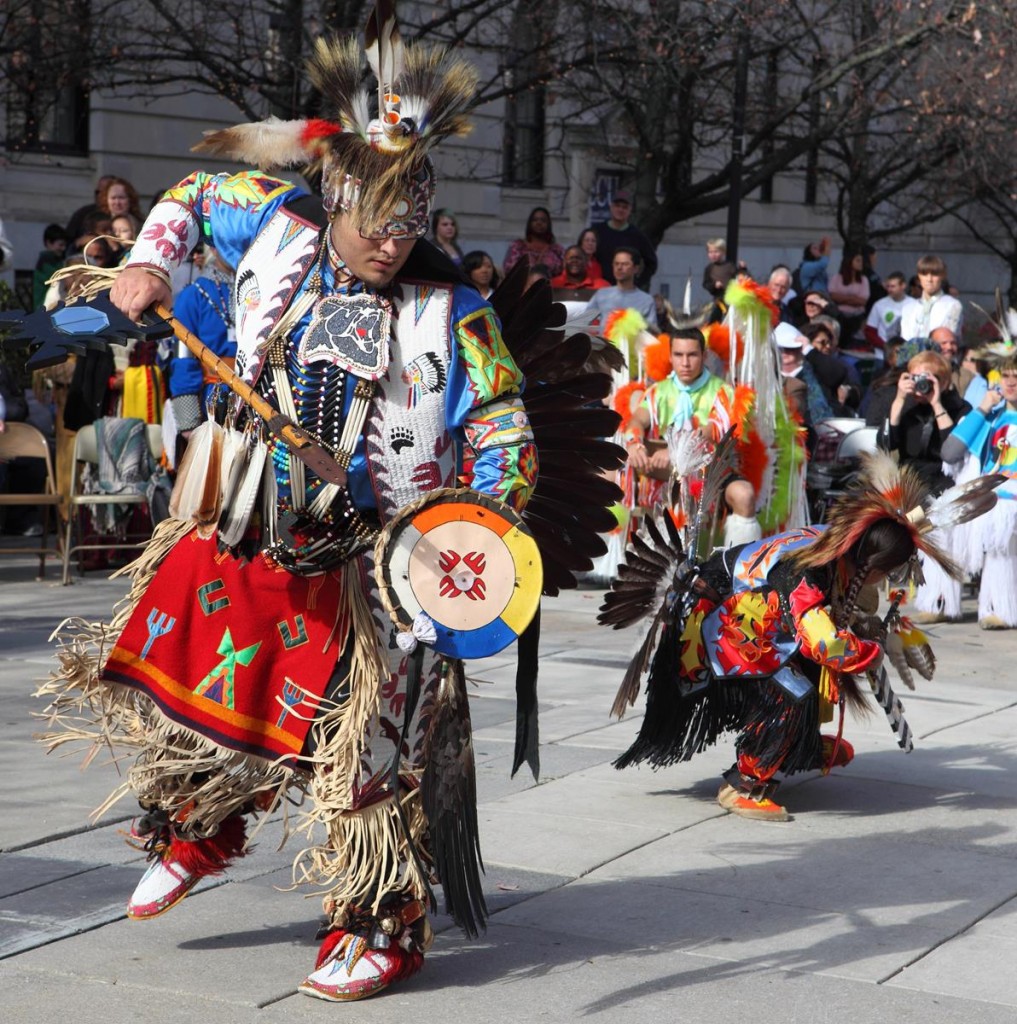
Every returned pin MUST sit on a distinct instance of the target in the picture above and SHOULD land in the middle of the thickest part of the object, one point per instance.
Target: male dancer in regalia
(363, 335)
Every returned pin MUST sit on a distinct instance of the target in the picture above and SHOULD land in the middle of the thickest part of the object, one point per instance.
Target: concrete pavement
(616, 896)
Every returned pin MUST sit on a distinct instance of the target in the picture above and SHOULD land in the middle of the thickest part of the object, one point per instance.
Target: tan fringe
(88, 279)
(174, 757)
(84, 710)
(366, 857)
(339, 735)
(82, 707)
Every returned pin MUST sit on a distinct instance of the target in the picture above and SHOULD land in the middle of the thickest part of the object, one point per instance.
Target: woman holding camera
(923, 412)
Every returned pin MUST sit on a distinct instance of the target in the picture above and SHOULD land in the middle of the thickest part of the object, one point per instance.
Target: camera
(923, 383)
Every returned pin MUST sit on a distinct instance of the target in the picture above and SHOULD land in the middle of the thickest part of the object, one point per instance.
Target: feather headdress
(373, 155)
(888, 491)
(1004, 347)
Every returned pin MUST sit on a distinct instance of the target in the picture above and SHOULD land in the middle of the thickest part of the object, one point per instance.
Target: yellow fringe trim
(365, 856)
(338, 736)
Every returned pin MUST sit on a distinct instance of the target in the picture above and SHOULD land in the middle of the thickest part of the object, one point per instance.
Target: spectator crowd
(851, 348)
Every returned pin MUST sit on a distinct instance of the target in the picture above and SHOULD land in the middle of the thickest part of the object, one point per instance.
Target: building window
(523, 152)
(524, 139)
(46, 101)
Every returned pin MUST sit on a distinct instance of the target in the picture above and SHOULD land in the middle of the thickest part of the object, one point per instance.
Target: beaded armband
(498, 424)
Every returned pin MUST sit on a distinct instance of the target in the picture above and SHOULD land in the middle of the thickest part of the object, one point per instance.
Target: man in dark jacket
(619, 233)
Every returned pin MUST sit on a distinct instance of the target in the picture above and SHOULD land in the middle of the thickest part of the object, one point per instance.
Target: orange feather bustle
(626, 401)
(718, 341)
(753, 458)
(677, 516)
(762, 292)
(753, 455)
(657, 358)
(741, 409)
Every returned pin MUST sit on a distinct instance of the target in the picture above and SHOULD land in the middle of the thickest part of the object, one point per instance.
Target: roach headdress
(886, 490)
(373, 153)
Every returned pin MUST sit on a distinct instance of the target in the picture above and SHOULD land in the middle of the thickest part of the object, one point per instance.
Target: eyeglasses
(401, 231)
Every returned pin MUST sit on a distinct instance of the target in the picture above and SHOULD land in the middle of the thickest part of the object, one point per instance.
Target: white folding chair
(86, 450)
(22, 440)
(858, 442)
(840, 424)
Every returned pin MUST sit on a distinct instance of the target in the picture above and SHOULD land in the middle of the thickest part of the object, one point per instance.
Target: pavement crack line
(967, 721)
(67, 834)
(948, 938)
(610, 860)
(63, 878)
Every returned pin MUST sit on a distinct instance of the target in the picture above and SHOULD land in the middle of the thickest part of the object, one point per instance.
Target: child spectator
(719, 270)
(883, 322)
(54, 241)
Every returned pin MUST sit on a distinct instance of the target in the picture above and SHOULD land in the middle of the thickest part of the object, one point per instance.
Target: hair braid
(847, 605)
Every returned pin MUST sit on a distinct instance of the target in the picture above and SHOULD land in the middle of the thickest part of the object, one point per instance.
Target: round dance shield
(467, 562)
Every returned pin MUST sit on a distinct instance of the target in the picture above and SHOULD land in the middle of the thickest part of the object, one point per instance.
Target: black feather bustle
(593, 489)
(566, 421)
(627, 607)
(449, 795)
(630, 684)
(558, 360)
(680, 721)
(578, 461)
(557, 578)
(605, 357)
(649, 554)
(582, 387)
(571, 504)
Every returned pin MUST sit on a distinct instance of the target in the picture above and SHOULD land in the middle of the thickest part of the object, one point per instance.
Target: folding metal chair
(22, 440)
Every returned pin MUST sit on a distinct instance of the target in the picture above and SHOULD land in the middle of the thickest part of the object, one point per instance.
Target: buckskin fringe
(194, 779)
(338, 735)
(83, 709)
(175, 769)
(366, 857)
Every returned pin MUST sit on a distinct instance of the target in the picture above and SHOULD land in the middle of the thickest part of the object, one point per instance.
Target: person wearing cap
(618, 232)
(375, 346)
